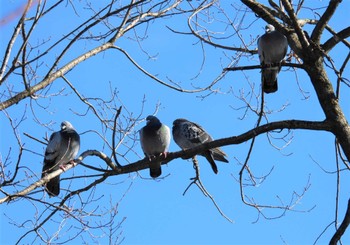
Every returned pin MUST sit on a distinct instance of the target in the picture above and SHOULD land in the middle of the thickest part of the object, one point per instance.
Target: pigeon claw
(73, 162)
(165, 154)
(63, 167)
(151, 157)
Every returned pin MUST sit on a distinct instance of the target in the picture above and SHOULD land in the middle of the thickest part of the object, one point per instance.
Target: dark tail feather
(269, 80)
(53, 186)
(208, 155)
(155, 170)
(219, 157)
(270, 88)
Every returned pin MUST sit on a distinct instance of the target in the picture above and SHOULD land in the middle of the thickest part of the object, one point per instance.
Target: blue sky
(155, 211)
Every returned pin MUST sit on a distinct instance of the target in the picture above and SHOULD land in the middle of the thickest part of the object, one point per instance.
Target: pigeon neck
(155, 125)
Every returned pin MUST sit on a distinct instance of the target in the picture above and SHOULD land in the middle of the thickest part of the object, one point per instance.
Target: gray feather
(155, 140)
(62, 147)
(189, 134)
(272, 48)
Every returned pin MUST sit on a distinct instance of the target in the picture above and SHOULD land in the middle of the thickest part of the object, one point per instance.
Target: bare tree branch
(265, 13)
(337, 37)
(321, 24)
(342, 228)
(242, 68)
(198, 182)
(47, 81)
(143, 164)
(302, 38)
(34, 60)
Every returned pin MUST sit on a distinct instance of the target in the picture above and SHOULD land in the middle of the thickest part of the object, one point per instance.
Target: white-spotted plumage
(188, 134)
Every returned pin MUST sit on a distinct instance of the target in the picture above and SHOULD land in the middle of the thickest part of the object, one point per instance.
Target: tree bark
(329, 103)
(342, 228)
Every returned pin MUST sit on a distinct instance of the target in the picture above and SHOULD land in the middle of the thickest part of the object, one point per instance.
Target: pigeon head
(179, 121)
(65, 125)
(269, 28)
(152, 120)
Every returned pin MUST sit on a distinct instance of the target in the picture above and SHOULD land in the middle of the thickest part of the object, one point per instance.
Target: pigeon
(155, 141)
(189, 134)
(62, 148)
(272, 48)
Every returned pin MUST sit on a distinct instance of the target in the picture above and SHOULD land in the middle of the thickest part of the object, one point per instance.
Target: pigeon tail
(219, 157)
(209, 156)
(53, 186)
(269, 79)
(270, 88)
(155, 171)
(218, 154)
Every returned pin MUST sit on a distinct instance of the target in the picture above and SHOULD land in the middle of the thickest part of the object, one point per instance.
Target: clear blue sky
(156, 212)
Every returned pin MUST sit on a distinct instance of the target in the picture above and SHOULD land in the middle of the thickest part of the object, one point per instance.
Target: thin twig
(36, 139)
(198, 182)
(113, 136)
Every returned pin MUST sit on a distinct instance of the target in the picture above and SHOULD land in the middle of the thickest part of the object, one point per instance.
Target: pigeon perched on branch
(272, 48)
(155, 141)
(62, 148)
(189, 134)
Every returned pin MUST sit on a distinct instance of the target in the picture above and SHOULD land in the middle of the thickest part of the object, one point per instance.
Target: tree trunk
(329, 103)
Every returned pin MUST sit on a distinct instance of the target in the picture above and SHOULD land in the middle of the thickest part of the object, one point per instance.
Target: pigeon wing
(196, 134)
(53, 147)
(155, 140)
(272, 48)
(62, 147)
(50, 165)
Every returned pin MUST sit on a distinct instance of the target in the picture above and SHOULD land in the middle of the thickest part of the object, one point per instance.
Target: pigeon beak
(63, 127)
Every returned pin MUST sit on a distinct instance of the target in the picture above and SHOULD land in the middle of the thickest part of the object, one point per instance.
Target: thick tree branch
(329, 102)
(322, 23)
(234, 140)
(342, 228)
(253, 67)
(337, 37)
(266, 13)
(66, 68)
(302, 38)
(50, 176)
(144, 164)
(50, 79)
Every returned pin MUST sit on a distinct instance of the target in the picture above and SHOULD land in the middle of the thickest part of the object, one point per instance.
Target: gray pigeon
(188, 135)
(272, 48)
(155, 141)
(62, 148)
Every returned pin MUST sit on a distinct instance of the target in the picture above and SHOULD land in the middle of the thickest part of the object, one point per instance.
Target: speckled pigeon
(62, 148)
(188, 135)
(272, 48)
(155, 141)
